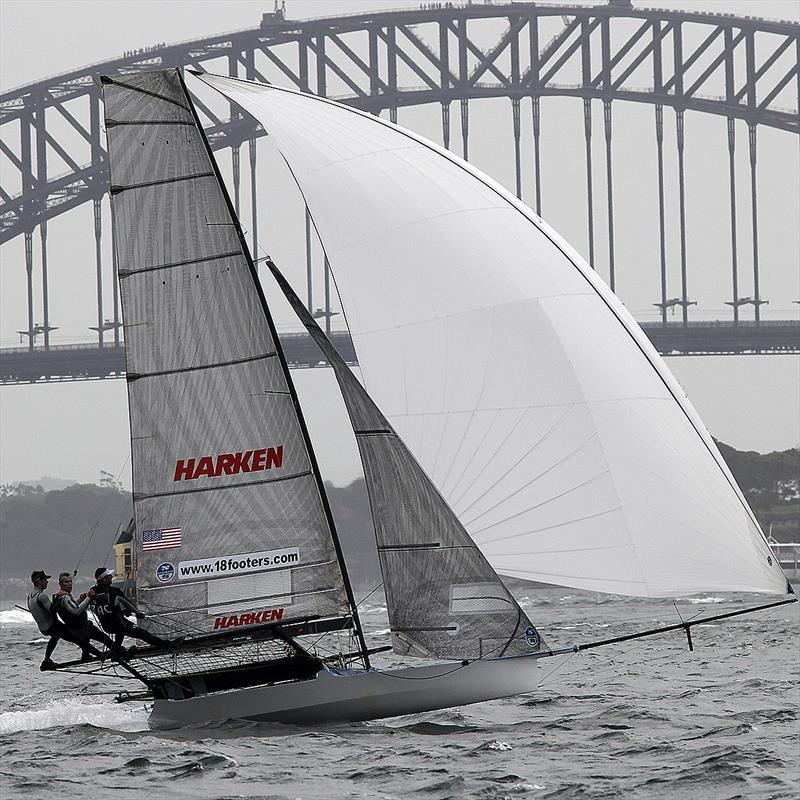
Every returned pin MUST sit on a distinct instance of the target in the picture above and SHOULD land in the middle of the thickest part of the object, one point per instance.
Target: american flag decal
(161, 539)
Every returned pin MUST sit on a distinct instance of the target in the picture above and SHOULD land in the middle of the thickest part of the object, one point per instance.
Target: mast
(293, 392)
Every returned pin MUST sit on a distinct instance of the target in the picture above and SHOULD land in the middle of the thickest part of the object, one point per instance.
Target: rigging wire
(92, 530)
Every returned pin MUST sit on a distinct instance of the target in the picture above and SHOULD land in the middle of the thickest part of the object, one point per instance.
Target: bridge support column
(446, 125)
(115, 283)
(587, 126)
(517, 153)
(309, 270)
(682, 216)
(98, 260)
(537, 164)
(609, 188)
(253, 198)
(661, 223)
(732, 171)
(29, 271)
(45, 298)
(237, 177)
(757, 301)
(327, 298)
(465, 129)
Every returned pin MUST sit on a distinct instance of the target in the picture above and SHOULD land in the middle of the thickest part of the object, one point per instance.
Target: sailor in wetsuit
(40, 605)
(77, 628)
(111, 607)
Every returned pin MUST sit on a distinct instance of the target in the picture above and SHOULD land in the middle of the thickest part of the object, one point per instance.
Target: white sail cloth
(519, 381)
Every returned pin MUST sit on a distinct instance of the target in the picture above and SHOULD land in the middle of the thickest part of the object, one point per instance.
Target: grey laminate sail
(232, 527)
(443, 597)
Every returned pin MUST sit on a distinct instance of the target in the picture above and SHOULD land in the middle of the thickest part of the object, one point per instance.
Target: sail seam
(135, 376)
(107, 79)
(304, 474)
(191, 609)
(126, 273)
(421, 546)
(113, 123)
(118, 189)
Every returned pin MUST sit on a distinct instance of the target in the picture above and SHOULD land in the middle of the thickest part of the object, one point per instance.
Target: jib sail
(443, 598)
(232, 525)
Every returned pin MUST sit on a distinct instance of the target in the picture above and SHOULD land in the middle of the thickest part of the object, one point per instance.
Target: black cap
(38, 574)
(101, 572)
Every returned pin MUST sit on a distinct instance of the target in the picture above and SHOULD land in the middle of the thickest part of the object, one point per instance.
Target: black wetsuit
(110, 605)
(77, 628)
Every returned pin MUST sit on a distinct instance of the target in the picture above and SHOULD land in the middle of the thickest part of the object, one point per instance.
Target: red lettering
(250, 618)
(240, 462)
(184, 469)
(224, 464)
(229, 463)
(274, 457)
(258, 460)
(204, 467)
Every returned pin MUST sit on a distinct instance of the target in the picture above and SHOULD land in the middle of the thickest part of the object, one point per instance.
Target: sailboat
(512, 420)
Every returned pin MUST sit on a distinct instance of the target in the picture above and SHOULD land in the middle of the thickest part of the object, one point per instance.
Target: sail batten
(496, 316)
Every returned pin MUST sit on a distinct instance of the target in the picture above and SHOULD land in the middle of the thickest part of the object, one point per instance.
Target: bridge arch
(437, 54)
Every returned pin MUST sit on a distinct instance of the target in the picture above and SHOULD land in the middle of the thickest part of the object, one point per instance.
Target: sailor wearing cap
(41, 607)
(111, 607)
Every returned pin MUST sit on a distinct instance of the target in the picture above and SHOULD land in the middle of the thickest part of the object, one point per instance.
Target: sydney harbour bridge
(449, 56)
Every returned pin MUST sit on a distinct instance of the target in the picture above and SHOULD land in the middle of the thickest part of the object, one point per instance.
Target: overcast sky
(73, 430)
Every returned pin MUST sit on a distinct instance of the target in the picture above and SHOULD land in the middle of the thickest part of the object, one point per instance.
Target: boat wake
(15, 616)
(72, 712)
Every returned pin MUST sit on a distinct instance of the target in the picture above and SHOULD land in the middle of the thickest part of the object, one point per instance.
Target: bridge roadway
(77, 362)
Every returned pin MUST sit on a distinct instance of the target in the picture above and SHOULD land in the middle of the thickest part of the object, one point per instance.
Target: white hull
(355, 696)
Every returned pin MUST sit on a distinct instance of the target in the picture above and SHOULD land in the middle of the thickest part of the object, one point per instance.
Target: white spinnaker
(516, 377)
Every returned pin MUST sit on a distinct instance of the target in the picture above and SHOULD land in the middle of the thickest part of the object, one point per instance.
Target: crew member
(78, 629)
(40, 605)
(111, 607)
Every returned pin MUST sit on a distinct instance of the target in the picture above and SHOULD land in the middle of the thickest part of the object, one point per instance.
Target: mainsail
(518, 380)
(443, 598)
(233, 528)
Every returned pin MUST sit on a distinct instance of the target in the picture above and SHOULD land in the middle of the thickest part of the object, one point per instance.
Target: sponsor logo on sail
(189, 469)
(249, 618)
(531, 636)
(165, 572)
(218, 566)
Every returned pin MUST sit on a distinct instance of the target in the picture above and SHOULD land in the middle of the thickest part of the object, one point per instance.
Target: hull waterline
(355, 696)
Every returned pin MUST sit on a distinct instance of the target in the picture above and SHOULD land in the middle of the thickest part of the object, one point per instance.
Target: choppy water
(644, 719)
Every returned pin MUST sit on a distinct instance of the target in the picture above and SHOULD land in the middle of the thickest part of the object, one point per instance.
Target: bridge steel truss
(434, 55)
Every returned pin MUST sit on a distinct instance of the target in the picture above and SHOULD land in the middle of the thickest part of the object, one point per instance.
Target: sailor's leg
(99, 636)
(139, 633)
(51, 645)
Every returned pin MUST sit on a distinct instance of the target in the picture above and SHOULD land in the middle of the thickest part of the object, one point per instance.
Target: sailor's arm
(44, 601)
(71, 607)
